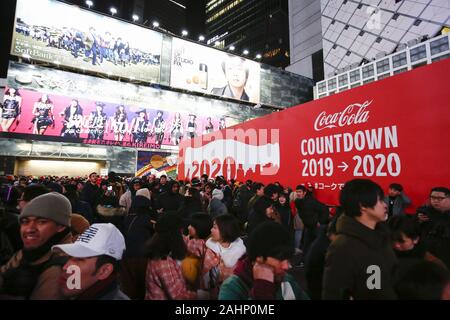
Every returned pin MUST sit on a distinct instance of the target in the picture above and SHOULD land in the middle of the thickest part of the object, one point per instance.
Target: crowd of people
(93, 45)
(161, 239)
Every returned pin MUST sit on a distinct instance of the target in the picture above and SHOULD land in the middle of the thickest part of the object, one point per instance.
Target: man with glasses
(434, 222)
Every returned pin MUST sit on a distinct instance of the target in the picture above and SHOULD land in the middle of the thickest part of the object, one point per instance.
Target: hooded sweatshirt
(360, 263)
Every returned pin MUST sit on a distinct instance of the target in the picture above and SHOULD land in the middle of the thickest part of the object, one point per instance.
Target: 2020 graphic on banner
(392, 130)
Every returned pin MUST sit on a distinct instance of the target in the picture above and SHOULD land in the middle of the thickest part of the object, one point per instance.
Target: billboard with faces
(54, 32)
(198, 68)
(62, 106)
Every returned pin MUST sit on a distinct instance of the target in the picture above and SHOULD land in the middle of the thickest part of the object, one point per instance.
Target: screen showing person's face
(235, 72)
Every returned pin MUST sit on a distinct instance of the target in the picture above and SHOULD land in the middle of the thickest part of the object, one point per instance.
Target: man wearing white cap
(91, 272)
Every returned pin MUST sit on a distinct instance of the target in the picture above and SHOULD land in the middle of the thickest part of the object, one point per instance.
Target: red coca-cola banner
(392, 130)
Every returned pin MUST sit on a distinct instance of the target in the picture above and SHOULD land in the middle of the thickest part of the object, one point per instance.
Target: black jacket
(137, 226)
(169, 201)
(90, 194)
(349, 261)
(314, 264)
(312, 211)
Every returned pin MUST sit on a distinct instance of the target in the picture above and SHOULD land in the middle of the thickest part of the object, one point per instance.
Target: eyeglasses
(437, 198)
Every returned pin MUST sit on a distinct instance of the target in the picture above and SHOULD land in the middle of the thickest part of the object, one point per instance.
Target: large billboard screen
(198, 68)
(62, 106)
(391, 131)
(55, 32)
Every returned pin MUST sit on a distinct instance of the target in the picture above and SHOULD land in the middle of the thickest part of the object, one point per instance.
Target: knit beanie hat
(217, 194)
(53, 206)
(143, 192)
(78, 223)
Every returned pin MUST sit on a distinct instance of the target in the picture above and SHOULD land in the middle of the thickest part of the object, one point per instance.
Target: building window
(355, 76)
(343, 80)
(368, 71)
(399, 60)
(332, 84)
(439, 46)
(418, 53)
(383, 66)
(322, 86)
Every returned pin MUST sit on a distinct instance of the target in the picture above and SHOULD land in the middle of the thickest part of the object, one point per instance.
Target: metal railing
(405, 58)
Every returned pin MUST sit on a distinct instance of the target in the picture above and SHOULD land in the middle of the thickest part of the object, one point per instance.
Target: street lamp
(135, 17)
(113, 10)
(258, 56)
(184, 33)
(201, 38)
(155, 24)
(245, 52)
(89, 3)
(232, 48)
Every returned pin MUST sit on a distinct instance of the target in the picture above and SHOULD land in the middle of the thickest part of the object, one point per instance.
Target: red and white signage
(394, 130)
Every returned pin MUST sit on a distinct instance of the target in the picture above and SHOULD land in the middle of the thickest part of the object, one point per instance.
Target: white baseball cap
(99, 239)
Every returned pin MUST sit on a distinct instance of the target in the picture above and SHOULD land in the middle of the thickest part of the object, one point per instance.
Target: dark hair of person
(162, 245)
(270, 190)
(403, 224)
(202, 224)
(444, 190)
(228, 227)
(105, 259)
(167, 239)
(424, 280)
(33, 191)
(256, 186)
(270, 239)
(302, 188)
(8, 92)
(396, 186)
(359, 193)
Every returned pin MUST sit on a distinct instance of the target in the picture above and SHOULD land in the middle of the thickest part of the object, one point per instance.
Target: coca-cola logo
(355, 113)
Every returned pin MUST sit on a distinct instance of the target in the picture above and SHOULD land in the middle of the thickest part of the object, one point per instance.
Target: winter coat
(46, 271)
(311, 211)
(400, 203)
(355, 260)
(314, 264)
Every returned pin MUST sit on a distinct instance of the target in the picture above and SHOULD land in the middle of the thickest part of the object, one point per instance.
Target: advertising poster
(61, 106)
(58, 33)
(157, 163)
(391, 131)
(202, 69)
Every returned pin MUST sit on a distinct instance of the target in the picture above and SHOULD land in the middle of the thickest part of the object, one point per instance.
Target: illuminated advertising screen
(198, 68)
(66, 35)
(62, 106)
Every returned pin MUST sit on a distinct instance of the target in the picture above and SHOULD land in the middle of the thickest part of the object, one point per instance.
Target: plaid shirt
(164, 281)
